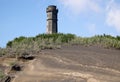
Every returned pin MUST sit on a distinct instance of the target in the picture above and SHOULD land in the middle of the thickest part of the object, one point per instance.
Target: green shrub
(49, 41)
(100, 40)
(10, 43)
(1, 74)
(34, 44)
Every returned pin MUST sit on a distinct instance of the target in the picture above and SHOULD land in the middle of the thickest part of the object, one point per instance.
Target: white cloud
(113, 15)
(78, 6)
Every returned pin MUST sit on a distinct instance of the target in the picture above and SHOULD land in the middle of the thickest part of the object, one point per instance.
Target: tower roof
(51, 8)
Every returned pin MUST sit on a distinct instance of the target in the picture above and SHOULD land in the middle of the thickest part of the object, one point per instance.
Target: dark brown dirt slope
(73, 64)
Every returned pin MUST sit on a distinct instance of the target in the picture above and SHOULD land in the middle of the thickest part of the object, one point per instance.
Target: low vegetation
(106, 41)
(1, 74)
(49, 41)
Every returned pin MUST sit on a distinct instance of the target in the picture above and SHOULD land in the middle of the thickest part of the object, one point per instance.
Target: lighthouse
(52, 26)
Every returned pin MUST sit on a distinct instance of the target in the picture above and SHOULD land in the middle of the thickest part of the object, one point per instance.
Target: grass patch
(50, 41)
(1, 74)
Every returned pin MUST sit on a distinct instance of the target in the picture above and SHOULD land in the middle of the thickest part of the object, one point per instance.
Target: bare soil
(72, 64)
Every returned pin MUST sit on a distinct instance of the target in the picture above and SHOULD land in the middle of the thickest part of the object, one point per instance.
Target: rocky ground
(72, 64)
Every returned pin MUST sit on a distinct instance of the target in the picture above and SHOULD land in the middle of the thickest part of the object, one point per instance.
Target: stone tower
(52, 19)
